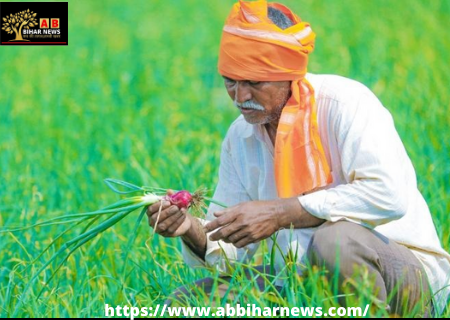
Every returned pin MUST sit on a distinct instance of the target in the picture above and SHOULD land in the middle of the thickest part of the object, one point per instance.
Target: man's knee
(333, 244)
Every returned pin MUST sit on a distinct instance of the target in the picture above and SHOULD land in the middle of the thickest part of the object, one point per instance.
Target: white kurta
(374, 182)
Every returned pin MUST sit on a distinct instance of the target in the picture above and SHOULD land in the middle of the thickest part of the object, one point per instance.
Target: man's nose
(242, 92)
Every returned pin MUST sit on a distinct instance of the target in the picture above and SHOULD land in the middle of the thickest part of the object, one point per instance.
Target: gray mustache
(249, 105)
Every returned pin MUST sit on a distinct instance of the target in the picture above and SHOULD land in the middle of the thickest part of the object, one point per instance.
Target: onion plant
(97, 222)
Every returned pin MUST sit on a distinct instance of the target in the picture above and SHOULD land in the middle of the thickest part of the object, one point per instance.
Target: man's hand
(245, 223)
(172, 221)
(253, 221)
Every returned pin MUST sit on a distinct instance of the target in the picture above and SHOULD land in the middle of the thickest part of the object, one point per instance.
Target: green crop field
(136, 96)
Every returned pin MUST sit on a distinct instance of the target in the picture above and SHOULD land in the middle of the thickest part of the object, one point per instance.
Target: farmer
(316, 160)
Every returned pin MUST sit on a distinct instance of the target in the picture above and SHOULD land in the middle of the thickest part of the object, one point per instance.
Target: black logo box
(47, 10)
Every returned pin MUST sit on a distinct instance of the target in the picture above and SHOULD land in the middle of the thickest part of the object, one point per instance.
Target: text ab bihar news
(34, 23)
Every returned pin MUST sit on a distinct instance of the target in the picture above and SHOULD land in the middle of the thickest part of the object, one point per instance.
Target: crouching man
(315, 158)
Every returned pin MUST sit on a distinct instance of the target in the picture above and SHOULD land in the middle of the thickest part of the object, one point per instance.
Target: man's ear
(290, 90)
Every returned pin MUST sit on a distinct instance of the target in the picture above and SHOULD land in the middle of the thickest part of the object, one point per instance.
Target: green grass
(136, 96)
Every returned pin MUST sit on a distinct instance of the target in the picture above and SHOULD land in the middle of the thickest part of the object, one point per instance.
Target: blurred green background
(136, 96)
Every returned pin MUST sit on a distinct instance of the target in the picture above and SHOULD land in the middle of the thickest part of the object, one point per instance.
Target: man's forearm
(195, 238)
(293, 214)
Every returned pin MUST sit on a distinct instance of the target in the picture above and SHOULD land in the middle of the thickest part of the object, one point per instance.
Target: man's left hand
(246, 223)
(253, 221)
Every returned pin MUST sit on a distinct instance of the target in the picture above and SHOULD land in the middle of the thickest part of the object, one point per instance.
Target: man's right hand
(172, 222)
(175, 222)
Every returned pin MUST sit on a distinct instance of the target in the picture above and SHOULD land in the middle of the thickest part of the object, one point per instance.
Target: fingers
(163, 215)
(244, 242)
(169, 218)
(154, 208)
(220, 213)
(171, 224)
(221, 221)
(237, 236)
(174, 227)
(225, 232)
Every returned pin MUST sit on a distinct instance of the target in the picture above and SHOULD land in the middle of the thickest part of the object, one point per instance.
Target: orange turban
(254, 48)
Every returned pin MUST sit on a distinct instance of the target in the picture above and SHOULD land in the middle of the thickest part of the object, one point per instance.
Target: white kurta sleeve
(377, 170)
(229, 191)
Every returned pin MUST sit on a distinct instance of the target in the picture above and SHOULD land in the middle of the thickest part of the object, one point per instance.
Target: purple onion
(182, 199)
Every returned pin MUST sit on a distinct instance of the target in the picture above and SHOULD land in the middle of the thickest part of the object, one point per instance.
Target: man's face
(260, 102)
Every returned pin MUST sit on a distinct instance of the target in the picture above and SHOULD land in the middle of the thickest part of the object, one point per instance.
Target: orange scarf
(254, 48)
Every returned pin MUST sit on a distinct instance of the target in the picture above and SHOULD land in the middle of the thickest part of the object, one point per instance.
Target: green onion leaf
(129, 187)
